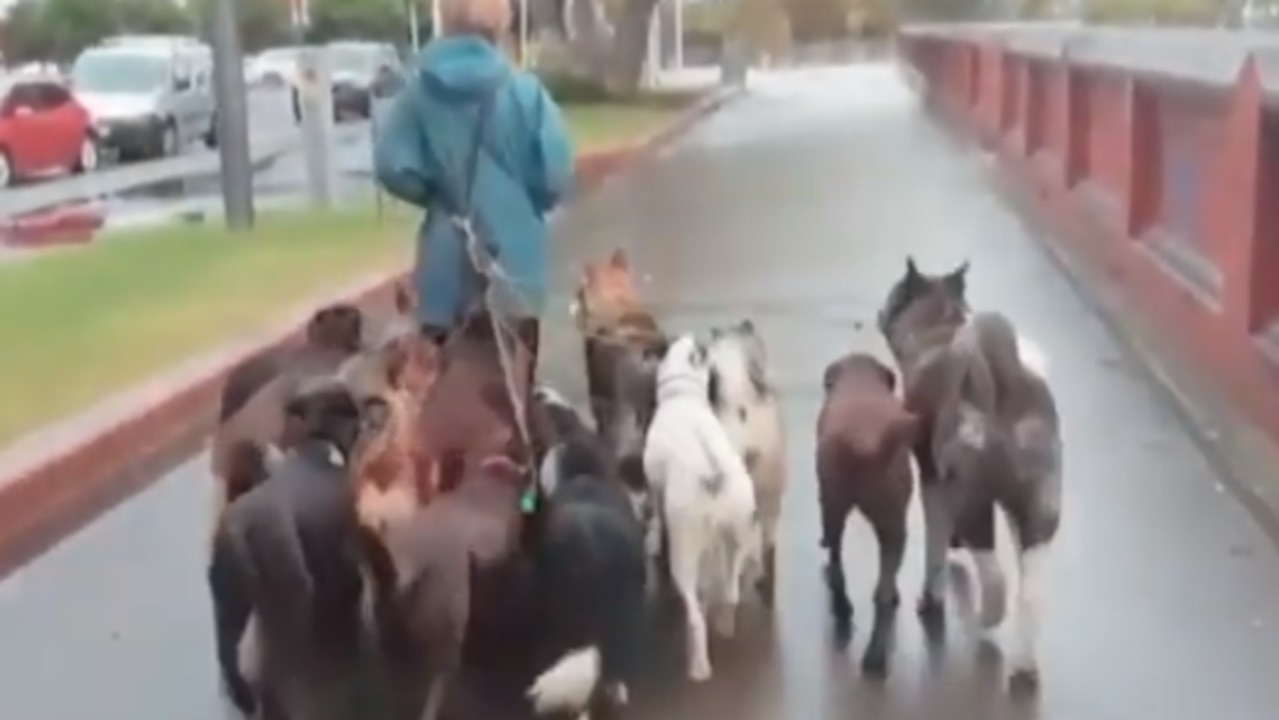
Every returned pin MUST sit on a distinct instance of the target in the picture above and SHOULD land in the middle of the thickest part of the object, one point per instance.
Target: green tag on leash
(528, 501)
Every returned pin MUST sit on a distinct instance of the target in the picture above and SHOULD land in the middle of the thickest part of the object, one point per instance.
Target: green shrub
(572, 89)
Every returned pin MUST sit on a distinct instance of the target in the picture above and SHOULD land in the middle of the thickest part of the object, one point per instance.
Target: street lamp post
(679, 34)
(232, 116)
(524, 33)
(414, 40)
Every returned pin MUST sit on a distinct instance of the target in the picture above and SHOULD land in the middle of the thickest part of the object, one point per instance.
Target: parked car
(148, 95)
(274, 67)
(43, 129)
(362, 72)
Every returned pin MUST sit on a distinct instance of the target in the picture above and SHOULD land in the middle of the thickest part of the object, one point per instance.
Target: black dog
(589, 564)
(287, 557)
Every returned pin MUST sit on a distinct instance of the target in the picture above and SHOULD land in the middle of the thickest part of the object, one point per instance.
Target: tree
(151, 16)
(26, 35)
(359, 19)
(942, 10)
(1160, 12)
(73, 25)
(263, 24)
(761, 27)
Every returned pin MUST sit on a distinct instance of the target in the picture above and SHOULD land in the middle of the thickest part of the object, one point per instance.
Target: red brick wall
(1107, 98)
(1188, 124)
(1192, 171)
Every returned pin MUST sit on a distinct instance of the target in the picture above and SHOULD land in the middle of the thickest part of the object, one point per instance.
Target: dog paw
(700, 670)
(887, 598)
(617, 694)
(1024, 681)
(930, 608)
(875, 662)
(841, 608)
(726, 622)
(766, 588)
(239, 694)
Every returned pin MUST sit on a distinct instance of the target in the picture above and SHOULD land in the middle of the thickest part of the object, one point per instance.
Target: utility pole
(524, 58)
(232, 117)
(414, 39)
(679, 34)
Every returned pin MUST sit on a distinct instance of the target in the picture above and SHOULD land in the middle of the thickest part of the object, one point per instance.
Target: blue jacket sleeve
(552, 154)
(400, 154)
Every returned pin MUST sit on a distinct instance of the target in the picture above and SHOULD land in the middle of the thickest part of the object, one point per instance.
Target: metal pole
(653, 58)
(232, 117)
(436, 29)
(679, 34)
(414, 39)
(524, 33)
(317, 125)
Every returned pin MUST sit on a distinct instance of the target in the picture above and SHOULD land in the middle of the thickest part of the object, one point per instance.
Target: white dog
(748, 408)
(705, 496)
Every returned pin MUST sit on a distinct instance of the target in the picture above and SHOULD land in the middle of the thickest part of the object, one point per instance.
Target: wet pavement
(795, 206)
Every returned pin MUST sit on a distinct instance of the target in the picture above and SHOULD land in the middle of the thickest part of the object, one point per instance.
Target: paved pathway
(795, 207)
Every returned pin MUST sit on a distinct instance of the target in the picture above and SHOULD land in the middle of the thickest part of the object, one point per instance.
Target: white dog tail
(567, 686)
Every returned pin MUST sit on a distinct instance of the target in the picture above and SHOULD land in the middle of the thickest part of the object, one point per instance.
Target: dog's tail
(898, 436)
(994, 337)
(231, 588)
(568, 685)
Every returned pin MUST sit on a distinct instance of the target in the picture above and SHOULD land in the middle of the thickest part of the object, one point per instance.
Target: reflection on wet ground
(795, 206)
(279, 180)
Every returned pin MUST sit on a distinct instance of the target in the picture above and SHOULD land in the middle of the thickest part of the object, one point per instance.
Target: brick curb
(59, 479)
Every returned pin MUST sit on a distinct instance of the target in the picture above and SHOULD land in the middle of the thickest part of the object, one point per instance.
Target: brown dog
(864, 436)
(251, 418)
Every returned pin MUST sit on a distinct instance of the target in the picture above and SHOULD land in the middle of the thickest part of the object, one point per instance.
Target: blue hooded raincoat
(524, 167)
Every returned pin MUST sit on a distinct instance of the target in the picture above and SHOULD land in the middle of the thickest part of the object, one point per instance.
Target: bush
(572, 89)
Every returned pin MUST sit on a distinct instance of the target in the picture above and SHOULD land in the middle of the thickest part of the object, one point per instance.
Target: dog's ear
(700, 358)
(746, 327)
(912, 271)
(831, 375)
(298, 407)
(755, 372)
(886, 374)
(403, 298)
(396, 355)
(956, 281)
(714, 391)
(375, 413)
(904, 429)
(317, 327)
(620, 260)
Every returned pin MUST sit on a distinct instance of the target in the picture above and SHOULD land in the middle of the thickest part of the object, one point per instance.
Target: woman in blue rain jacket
(521, 158)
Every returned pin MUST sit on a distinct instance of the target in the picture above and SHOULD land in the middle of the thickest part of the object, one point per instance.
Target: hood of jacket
(461, 67)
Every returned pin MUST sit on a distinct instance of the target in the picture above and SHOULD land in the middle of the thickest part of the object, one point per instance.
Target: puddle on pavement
(195, 198)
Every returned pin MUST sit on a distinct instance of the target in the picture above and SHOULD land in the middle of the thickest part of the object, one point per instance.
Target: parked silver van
(148, 96)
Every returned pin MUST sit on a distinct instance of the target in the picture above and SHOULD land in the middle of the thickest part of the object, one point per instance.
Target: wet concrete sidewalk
(796, 207)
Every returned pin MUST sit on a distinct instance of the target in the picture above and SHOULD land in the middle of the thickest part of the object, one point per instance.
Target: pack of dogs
(381, 514)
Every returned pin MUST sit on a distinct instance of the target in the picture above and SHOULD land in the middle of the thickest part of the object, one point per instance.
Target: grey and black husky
(989, 436)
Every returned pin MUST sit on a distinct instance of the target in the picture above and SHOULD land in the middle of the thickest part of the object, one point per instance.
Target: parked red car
(43, 129)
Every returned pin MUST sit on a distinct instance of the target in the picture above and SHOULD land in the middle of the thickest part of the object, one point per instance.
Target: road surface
(796, 207)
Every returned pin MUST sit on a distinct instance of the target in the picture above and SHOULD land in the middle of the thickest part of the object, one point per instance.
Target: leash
(484, 264)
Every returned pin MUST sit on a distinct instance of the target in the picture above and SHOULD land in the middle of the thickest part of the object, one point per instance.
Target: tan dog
(606, 295)
(392, 471)
(864, 437)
